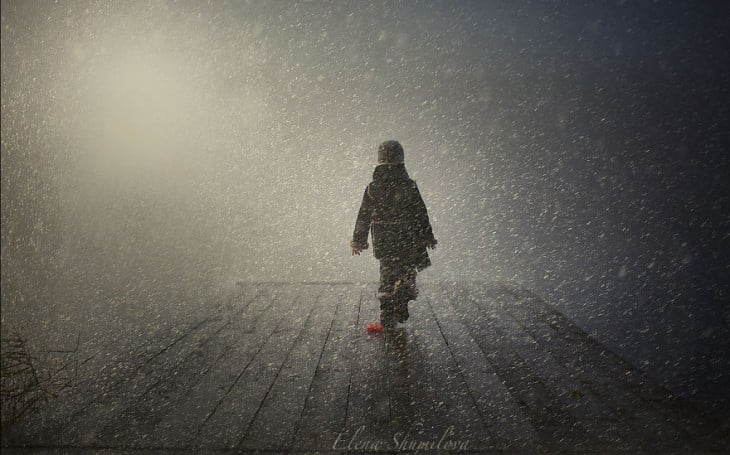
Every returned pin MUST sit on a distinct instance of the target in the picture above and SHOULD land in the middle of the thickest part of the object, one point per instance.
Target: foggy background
(154, 152)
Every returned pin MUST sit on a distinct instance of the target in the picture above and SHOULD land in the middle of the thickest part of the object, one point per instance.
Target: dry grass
(28, 381)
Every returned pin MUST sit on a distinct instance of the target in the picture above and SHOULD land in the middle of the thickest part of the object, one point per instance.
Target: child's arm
(362, 225)
(424, 223)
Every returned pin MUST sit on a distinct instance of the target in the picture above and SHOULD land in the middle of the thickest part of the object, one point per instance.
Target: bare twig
(28, 382)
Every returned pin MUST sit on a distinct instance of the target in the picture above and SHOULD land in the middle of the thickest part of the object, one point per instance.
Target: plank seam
(319, 360)
(278, 372)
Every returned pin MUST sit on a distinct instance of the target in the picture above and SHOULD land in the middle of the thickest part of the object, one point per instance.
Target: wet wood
(289, 367)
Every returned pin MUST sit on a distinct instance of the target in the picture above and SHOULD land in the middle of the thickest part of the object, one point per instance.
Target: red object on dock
(374, 327)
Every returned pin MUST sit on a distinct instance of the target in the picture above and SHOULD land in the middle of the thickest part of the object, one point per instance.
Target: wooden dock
(290, 368)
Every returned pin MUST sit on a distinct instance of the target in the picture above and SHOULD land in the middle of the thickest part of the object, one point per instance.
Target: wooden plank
(139, 424)
(408, 387)
(348, 319)
(453, 405)
(443, 410)
(554, 424)
(233, 416)
(258, 330)
(289, 373)
(505, 418)
(606, 377)
(107, 406)
(570, 395)
(686, 419)
(177, 427)
(152, 344)
(110, 368)
(280, 413)
(325, 410)
(337, 353)
(368, 407)
(183, 414)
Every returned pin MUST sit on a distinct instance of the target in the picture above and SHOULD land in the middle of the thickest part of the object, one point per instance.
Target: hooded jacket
(393, 210)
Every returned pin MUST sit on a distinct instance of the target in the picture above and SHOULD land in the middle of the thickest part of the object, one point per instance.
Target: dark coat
(393, 209)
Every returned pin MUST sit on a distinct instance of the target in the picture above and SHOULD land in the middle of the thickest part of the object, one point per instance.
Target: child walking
(393, 209)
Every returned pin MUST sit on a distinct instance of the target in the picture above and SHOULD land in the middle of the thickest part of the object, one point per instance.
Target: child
(393, 209)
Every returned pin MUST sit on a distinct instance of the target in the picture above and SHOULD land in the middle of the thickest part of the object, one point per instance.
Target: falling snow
(155, 153)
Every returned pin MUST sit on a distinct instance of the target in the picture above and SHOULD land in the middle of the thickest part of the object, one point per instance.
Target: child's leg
(388, 278)
(405, 290)
(397, 287)
(409, 280)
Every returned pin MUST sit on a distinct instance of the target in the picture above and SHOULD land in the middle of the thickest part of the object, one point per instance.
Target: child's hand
(432, 245)
(356, 248)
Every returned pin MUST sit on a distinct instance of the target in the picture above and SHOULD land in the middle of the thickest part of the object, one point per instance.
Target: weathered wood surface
(291, 368)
